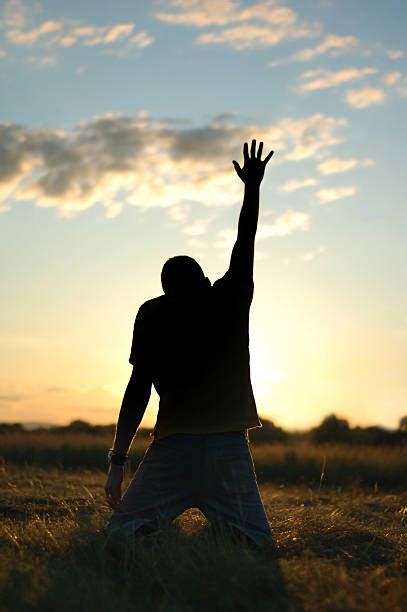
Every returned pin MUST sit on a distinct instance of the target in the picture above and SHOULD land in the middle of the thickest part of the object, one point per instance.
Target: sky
(119, 124)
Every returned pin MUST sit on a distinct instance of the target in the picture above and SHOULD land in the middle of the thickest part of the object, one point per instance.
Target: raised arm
(241, 261)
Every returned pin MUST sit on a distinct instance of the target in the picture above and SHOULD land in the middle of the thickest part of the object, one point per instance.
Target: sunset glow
(120, 122)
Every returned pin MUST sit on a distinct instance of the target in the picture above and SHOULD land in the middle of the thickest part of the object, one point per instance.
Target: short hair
(181, 273)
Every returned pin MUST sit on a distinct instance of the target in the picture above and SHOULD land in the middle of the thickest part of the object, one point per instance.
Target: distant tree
(377, 436)
(11, 427)
(332, 429)
(104, 429)
(80, 426)
(269, 433)
(403, 423)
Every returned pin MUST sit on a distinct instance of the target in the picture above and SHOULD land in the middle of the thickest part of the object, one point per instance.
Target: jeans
(213, 472)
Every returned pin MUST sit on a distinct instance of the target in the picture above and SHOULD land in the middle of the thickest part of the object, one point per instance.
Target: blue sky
(119, 124)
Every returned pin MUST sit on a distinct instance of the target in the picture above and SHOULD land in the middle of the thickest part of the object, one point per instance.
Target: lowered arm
(132, 410)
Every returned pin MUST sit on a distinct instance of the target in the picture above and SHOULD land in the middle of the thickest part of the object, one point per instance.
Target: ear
(207, 282)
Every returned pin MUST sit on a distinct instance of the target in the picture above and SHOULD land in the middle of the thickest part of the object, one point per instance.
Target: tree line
(331, 430)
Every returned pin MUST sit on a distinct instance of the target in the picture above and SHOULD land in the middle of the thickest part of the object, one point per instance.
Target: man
(192, 343)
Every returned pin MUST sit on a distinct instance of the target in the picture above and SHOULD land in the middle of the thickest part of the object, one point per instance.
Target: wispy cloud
(116, 159)
(395, 54)
(402, 86)
(331, 194)
(15, 14)
(332, 45)
(335, 165)
(293, 185)
(311, 255)
(324, 79)
(240, 26)
(198, 227)
(391, 78)
(362, 98)
(310, 137)
(12, 397)
(287, 223)
(64, 33)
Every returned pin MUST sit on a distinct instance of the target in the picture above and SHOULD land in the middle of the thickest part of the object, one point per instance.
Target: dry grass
(340, 465)
(340, 550)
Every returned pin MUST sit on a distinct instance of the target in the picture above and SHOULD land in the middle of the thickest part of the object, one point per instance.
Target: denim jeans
(213, 472)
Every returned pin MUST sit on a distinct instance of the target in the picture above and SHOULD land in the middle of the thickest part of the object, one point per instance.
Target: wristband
(116, 457)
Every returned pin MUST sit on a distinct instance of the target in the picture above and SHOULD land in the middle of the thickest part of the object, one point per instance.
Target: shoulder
(153, 305)
(149, 310)
(234, 283)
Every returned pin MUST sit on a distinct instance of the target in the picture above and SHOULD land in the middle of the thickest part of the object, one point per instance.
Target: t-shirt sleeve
(237, 286)
(140, 353)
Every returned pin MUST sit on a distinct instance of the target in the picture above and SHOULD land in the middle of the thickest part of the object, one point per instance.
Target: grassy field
(342, 547)
(303, 463)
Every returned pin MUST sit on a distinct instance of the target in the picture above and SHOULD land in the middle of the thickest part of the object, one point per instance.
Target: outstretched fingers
(237, 167)
(260, 151)
(269, 156)
(245, 151)
(253, 149)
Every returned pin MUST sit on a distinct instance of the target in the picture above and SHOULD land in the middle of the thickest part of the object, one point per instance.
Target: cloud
(48, 34)
(250, 36)
(141, 40)
(332, 44)
(391, 78)
(310, 255)
(293, 185)
(395, 54)
(198, 227)
(323, 79)
(330, 194)
(287, 223)
(13, 397)
(402, 87)
(310, 137)
(200, 13)
(179, 212)
(65, 33)
(262, 24)
(114, 160)
(335, 165)
(14, 14)
(362, 98)
(41, 61)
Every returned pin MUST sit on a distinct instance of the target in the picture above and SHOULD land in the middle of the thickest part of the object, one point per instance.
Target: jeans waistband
(236, 433)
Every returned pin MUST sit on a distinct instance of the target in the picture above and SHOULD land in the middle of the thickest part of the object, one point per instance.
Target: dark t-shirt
(195, 350)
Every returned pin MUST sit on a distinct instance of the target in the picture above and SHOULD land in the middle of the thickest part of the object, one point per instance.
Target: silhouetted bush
(377, 436)
(269, 433)
(403, 424)
(11, 427)
(332, 429)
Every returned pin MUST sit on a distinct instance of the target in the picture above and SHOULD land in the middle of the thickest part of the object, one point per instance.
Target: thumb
(237, 167)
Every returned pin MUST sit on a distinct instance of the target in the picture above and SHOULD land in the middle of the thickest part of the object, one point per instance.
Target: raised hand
(253, 168)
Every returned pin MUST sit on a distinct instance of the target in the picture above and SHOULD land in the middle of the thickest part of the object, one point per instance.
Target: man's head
(182, 275)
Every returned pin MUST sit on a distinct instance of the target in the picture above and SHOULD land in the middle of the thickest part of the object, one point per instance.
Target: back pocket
(234, 472)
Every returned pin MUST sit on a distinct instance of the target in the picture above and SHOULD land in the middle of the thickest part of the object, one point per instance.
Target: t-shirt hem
(158, 435)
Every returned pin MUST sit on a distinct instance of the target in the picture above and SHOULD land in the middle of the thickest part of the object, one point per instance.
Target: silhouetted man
(192, 343)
